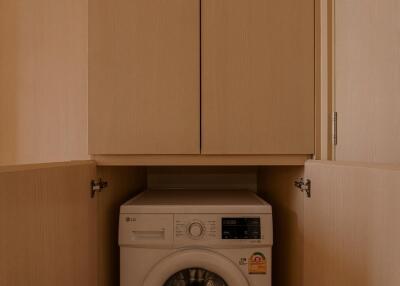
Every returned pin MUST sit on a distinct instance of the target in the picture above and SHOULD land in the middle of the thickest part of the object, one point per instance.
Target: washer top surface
(196, 201)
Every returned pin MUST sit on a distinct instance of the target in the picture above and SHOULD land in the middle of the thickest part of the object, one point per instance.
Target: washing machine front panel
(138, 264)
(146, 230)
(196, 265)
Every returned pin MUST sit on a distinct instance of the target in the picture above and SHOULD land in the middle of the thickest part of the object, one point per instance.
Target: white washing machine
(202, 238)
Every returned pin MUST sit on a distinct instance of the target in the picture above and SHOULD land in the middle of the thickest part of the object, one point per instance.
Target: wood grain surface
(258, 77)
(43, 81)
(351, 231)
(123, 184)
(48, 225)
(144, 77)
(367, 73)
(275, 185)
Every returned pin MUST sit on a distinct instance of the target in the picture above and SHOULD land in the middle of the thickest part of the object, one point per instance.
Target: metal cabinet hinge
(304, 185)
(97, 186)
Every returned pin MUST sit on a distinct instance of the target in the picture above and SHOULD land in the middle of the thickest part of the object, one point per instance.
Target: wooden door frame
(317, 78)
(331, 76)
(324, 79)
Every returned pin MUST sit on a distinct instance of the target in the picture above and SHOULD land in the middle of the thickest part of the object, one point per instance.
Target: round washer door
(195, 259)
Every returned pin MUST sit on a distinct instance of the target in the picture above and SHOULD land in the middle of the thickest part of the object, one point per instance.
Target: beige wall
(368, 80)
(43, 80)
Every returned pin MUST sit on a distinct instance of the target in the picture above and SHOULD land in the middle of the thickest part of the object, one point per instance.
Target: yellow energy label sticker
(257, 263)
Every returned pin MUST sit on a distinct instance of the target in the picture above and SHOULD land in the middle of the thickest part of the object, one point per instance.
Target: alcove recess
(273, 183)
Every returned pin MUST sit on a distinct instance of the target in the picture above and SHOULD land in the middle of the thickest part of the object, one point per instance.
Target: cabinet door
(352, 232)
(144, 77)
(48, 225)
(257, 77)
(367, 85)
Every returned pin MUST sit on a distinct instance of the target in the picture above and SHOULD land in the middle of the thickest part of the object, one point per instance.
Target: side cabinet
(257, 77)
(144, 77)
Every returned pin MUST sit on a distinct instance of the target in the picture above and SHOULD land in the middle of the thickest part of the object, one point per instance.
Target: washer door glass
(195, 277)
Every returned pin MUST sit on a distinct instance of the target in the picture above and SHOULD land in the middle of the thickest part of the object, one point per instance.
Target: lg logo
(130, 219)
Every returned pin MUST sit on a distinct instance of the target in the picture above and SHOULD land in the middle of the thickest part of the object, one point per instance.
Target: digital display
(241, 228)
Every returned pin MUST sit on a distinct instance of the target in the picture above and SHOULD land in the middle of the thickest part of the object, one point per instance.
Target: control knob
(196, 229)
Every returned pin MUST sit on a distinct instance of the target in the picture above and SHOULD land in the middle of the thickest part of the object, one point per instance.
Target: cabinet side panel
(275, 185)
(123, 184)
(258, 77)
(48, 226)
(351, 234)
(144, 77)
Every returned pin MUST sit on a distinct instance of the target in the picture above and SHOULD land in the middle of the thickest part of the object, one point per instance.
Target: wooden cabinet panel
(123, 184)
(48, 225)
(257, 77)
(367, 85)
(275, 185)
(43, 81)
(351, 234)
(144, 77)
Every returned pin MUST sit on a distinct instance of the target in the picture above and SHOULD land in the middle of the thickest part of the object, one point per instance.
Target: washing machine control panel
(241, 228)
(221, 229)
(195, 227)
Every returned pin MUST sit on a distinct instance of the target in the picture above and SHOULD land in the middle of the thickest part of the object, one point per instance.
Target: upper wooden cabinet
(144, 77)
(241, 71)
(257, 77)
